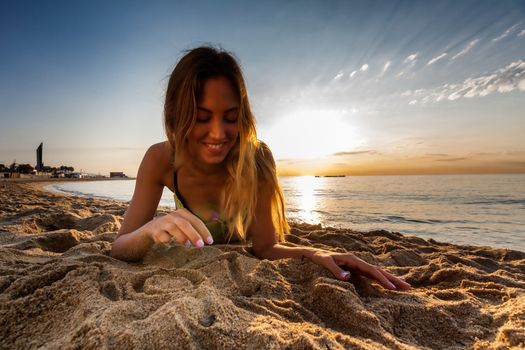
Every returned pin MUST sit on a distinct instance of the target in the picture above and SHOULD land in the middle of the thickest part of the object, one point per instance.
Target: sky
(337, 87)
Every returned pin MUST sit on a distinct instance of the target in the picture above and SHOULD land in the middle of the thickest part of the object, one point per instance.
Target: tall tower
(39, 164)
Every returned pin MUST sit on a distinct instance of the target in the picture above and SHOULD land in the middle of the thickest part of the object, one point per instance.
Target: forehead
(219, 93)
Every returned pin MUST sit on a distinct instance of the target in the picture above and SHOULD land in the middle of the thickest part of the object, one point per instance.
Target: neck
(206, 170)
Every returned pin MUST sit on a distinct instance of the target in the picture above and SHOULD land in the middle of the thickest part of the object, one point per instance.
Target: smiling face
(216, 128)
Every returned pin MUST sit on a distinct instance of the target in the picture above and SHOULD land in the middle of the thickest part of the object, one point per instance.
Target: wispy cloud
(339, 76)
(450, 159)
(435, 59)
(436, 155)
(354, 153)
(509, 78)
(466, 49)
(364, 67)
(411, 58)
(522, 33)
(353, 74)
(385, 67)
(409, 62)
(506, 33)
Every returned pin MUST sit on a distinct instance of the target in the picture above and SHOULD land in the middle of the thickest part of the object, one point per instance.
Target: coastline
(55, 263)
(39, 184)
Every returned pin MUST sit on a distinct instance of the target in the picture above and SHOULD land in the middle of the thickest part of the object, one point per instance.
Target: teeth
(215, 145)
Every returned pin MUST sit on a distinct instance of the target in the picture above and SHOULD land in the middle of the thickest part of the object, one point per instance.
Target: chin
(214, 161)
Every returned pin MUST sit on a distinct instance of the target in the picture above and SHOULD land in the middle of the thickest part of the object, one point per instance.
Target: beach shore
(59, 288)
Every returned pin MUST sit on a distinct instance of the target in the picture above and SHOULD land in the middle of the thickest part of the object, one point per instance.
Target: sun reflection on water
(306, 199)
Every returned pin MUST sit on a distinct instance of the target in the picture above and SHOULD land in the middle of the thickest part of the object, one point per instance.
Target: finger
(373, 271)
(398, 281)
(174, 232)
(198, 225)
(161, 237)
(187, 229)
(338, 272)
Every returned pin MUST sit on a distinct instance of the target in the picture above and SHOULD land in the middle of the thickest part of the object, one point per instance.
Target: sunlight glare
(307, 201)
(310, 134)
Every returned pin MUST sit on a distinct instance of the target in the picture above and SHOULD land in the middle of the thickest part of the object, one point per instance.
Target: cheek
(196, 133)
(232, 131)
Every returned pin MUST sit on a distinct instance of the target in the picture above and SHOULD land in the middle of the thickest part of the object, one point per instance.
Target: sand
(59, 288)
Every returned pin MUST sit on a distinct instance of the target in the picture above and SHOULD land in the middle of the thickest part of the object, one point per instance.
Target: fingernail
(187, 244)
(199, 243)
(209, 240)
(345, 274)
(392, 286)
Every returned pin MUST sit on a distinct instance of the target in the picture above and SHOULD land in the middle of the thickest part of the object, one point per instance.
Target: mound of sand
(60, 289)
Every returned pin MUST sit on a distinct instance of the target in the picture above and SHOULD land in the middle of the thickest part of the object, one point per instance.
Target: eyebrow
(226, 111)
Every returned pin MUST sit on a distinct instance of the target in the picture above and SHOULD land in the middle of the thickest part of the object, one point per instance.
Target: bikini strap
(177, 193)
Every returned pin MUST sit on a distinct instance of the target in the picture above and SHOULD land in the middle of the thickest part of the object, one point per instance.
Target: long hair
(249, 162)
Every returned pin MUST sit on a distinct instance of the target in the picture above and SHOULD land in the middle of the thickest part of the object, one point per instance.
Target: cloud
(411, 58)
(436, 155)
(288, 161)
(410, 61)
(506, 33)
(466, 49)
(449, 159)
(353, 73)
(506, 79)
(500, 153)
(435, 59)
(385, 67)
(364, 67)
(522, 33)
(353, 153)
(338, 76)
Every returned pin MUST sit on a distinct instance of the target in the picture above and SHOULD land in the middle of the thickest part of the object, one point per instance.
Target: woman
(223, 178)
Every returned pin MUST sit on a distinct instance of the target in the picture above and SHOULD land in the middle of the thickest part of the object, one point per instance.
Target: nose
(217, 129)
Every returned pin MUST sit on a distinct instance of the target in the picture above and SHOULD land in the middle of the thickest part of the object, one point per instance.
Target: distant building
(117, 174)
(39, 163)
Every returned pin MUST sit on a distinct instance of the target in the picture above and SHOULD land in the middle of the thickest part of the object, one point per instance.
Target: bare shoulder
(161, 153)
(158, 156)
(160, 150)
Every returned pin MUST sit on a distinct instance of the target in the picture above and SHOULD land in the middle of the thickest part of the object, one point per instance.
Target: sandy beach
(60, 289)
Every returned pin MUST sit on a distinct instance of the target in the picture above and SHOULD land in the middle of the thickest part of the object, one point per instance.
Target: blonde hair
(249, 163)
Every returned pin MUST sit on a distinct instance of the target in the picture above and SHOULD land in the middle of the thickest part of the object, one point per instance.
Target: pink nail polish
(200, 243)
(345, 274)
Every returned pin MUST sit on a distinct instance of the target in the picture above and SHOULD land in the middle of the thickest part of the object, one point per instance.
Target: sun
(308, 134)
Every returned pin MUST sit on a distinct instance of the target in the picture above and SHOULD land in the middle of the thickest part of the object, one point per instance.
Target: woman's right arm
(139, 232)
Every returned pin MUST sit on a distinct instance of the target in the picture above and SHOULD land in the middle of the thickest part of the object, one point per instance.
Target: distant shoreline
(39, 184)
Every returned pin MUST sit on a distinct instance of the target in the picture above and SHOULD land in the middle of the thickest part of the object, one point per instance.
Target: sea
(461, 209)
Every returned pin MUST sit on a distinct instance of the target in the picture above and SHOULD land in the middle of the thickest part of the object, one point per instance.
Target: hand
(180, 225)
(332, 261)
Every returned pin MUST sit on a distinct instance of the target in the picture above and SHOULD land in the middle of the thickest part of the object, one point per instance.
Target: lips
(215, 148)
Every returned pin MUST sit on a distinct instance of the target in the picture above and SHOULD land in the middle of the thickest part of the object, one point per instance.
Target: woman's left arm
(264, 246)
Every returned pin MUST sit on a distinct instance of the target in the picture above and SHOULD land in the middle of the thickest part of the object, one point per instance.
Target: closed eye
(202, 120)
